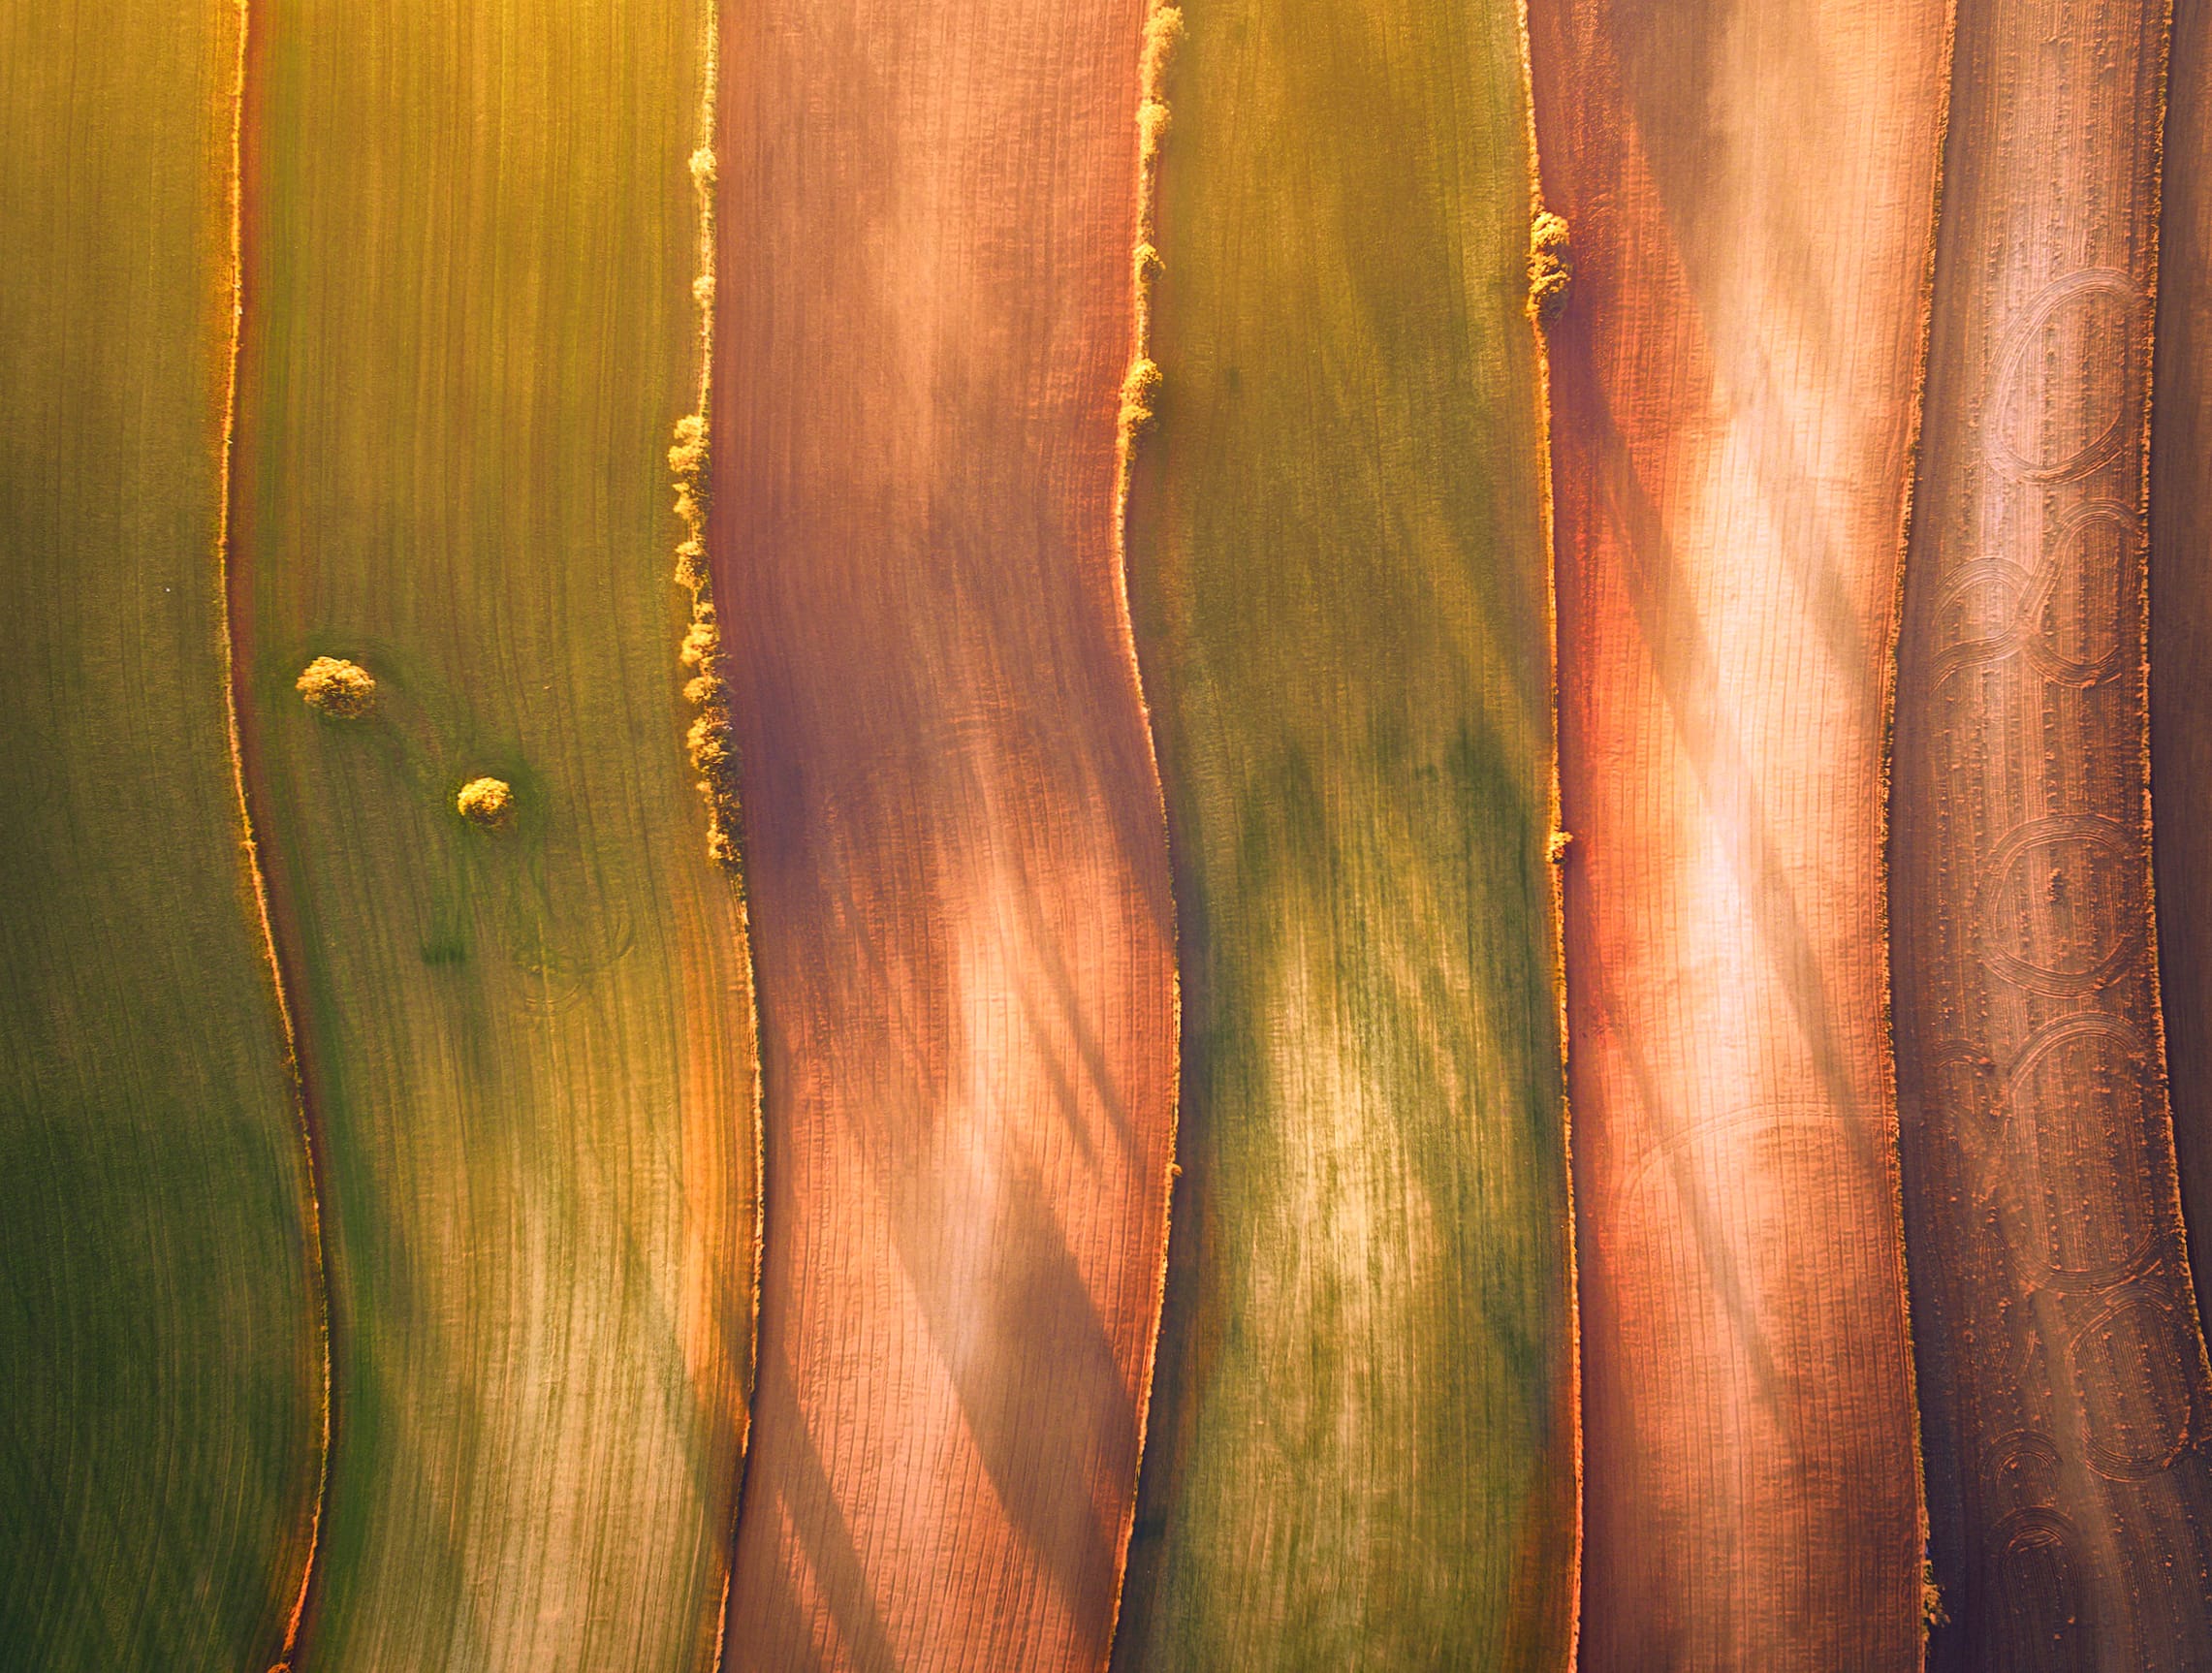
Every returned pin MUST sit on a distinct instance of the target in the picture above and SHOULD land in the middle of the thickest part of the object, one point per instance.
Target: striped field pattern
(1149, 837)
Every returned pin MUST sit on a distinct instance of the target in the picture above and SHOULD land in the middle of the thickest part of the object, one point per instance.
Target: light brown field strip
(1749, 192)
(161, 1363)
(523, 985)
(953, 834)
(2181, 618)
(2063, 1378)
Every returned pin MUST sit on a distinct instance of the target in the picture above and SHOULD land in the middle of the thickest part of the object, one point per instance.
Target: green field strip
(161, 1370)
(1362, 1447)
(470, 237)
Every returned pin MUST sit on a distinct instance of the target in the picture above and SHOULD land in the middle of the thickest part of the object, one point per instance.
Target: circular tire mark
(2076, 293)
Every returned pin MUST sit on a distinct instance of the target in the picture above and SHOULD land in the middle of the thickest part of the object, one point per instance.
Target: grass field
(1363, 1442)
(470, 240)
(160, 1363)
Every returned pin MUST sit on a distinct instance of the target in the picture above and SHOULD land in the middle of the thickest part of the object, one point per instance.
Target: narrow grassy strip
(160, 1364)
(345, 689)
(953, 835)
(2063, 1374)
(1163, 35)
(1362, 1439)
(708, 744)
(521, 982)
(1750, 200)
(2181, 618)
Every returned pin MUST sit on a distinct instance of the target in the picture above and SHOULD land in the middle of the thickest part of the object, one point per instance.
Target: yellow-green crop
(472, 241)
(161, 1369)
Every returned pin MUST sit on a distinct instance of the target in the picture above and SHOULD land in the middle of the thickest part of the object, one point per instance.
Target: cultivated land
(2181, 618)
(1363, 1448)
(160, 1366)
(433, 1346)
(470, 240)
(1752, 195)
(2062, 1375)
(953, 827)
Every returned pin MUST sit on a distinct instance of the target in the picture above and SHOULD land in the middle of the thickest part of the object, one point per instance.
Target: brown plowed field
(1749, 192)
(2181, 618)
(2062, 1372)
(955, 846)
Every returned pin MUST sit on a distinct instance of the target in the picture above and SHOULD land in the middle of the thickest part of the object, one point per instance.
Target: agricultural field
(1363, 1431)
(468, 245)
(162, 1332)
(1733, 387)
(952, 840)
(1182, 835)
